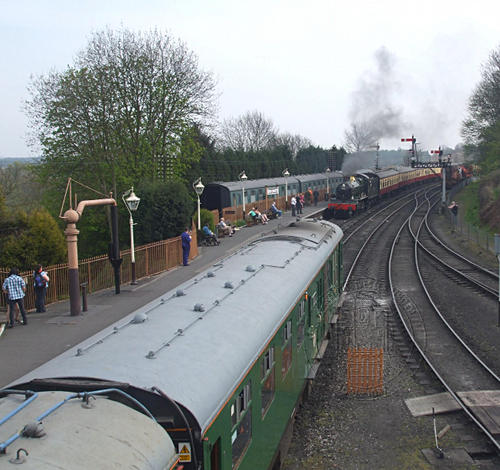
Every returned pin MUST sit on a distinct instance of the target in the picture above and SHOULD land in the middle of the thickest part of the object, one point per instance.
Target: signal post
(439, 164)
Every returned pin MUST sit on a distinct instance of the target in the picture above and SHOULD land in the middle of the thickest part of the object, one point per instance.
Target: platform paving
(49, 334)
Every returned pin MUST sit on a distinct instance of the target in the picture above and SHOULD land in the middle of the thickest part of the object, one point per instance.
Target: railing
(232, 214)
(98, 273)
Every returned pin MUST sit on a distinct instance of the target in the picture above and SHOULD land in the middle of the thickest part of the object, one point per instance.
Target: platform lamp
(328, 171)
(198, 187)
(131, 203)
(286, 174)
(243, 177)
(497, 251)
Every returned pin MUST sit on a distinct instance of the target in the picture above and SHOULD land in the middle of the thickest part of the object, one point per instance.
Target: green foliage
(481, 128)
(121, 113)
(206, 217)
(21, 189)
(468, 200)
(34, 238)
(164, 212)
(489, 149)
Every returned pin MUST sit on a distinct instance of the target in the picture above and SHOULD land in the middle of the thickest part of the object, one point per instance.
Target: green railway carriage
(222, 363)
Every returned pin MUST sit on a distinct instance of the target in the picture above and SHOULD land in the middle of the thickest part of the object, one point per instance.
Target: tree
(20, 188)
(293, 142)
(251, 131)
(121, 113)
(484, 104)
(360, 137)
(166, 210)
(33, 239)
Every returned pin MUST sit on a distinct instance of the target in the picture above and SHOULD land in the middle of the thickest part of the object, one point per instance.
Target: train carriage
(221, 362)
(220, 195)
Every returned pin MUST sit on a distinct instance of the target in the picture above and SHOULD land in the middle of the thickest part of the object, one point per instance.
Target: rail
(97, 272)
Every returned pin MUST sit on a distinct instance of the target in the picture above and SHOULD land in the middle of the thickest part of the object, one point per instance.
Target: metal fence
(482, 238)
(98, 273)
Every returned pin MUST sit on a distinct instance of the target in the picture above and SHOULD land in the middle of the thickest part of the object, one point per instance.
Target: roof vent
(140, 317)
(179, 293)
(228, 285)
(210, 274)
(34, 429)
(250, 268)
(199, 308)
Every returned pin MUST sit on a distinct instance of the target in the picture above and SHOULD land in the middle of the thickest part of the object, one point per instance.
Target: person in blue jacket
(186, 246)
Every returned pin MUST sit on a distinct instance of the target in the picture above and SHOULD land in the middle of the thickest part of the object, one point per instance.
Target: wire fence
(97, 272)
(480, 237)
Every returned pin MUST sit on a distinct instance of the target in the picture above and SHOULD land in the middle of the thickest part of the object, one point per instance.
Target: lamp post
(243, 177)
(131, 203)
(286, 174)
(327, 171)
(198, 187)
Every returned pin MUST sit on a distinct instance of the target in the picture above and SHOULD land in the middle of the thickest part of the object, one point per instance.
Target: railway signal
(413, 149)
(439, 164)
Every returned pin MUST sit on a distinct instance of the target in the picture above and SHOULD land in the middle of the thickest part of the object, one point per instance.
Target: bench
(271, 215)
(252, 221)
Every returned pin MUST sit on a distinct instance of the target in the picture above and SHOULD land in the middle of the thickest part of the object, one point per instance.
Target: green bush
(34, 238)
(164, 212)
(206, 217)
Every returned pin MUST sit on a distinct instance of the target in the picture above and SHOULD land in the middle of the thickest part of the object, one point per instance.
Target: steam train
(206, 377)
(366, 187)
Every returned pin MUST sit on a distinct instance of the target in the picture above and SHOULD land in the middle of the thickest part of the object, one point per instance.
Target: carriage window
(287, 348)
(241, 421)
(267, 383)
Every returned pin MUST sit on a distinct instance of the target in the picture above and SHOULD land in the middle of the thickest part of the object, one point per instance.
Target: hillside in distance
(6, 161)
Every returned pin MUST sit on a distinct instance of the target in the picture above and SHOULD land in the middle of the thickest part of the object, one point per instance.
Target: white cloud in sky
(299, 63)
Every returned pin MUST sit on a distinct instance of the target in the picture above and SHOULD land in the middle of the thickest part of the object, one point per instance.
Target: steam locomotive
(366, 187)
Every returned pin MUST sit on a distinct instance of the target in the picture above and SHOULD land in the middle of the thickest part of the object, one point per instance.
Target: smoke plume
(373, 114)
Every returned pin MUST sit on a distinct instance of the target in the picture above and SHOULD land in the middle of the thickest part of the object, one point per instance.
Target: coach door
(215, 458)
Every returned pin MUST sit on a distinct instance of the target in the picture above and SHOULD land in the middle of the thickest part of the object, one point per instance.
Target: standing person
(299, 205)
(293, 203)
(316, 197)
(309, 196)
(186, 246)
(15, 287)
(454, 212)
(302, 202)
(41, 282)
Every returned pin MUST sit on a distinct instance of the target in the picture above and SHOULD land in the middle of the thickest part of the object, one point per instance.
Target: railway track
(454, 358)
(369, 319)
(456, 264)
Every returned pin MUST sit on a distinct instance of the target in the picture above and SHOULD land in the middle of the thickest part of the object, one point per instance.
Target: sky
(313, 67)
